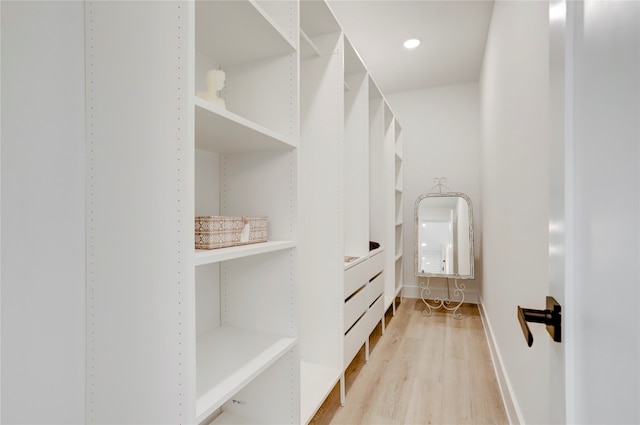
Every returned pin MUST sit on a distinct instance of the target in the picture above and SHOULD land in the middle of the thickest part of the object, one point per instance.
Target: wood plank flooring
(424, 370)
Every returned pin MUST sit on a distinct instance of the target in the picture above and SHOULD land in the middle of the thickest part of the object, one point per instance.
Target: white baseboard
(511, 407)
(414, 292)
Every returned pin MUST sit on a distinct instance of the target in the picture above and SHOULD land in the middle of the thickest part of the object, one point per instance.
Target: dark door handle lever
(551, 317)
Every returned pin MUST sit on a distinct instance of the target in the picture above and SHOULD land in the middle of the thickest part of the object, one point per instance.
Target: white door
(558, 55)
(594, 239)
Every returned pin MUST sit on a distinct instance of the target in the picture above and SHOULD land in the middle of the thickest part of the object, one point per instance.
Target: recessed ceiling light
(412, 43)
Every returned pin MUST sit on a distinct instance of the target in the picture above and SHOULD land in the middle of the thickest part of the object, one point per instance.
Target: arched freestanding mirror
(444, 244)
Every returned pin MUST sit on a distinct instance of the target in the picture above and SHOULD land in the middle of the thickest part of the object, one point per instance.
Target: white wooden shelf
(222, 131)
(227, 359)
(317, 382)
(248, 34)
(209, 256)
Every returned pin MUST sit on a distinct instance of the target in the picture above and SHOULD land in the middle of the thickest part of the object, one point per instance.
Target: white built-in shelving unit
(346, 159)
(388, 206)
(364, 276)
(193, 336)
(378, 184)
(256, 333)
(398, 213)
(246, 160)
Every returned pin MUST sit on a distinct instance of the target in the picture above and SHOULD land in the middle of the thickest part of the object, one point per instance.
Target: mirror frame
(416, 248)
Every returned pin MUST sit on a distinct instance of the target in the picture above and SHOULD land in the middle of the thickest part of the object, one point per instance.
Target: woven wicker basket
(257, 230)
(222, 231)
(216, 231)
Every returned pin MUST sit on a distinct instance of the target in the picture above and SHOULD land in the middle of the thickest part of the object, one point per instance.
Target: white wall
(43, 225)
(515, 196)
(441, 134)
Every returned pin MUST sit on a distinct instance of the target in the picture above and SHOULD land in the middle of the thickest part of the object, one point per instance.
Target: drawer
(375, 288)
(375, 264)
(357, 336)
(354, 307)
(373, 316)
(355, 278)
(353, 341)
(358, 275)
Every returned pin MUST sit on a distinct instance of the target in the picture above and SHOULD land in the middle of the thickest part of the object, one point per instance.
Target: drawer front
(375, 264)
(357, 336)
(373, 316)
(375, 287)
(355, 278)
(353, 341)
(354, 308)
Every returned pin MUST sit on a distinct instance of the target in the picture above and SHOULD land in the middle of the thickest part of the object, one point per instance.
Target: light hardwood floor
(424, 370)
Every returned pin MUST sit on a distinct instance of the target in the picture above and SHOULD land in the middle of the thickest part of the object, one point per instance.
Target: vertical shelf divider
(320, 251)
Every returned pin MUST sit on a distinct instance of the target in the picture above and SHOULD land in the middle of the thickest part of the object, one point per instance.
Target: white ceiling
(453, 34)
